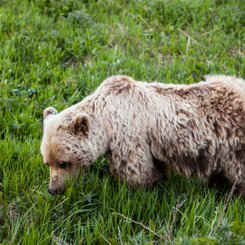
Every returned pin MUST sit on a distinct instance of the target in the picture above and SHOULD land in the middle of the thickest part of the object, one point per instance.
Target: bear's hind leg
(237, 179)
(240, 189)
(241, 184)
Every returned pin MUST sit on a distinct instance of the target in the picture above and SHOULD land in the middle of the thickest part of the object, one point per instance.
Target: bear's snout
(57, 191)
(57, 181)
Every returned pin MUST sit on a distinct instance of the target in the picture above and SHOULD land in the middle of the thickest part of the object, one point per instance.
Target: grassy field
(57, 52)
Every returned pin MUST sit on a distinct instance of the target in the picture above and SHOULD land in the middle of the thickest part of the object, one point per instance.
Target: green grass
(57, 52)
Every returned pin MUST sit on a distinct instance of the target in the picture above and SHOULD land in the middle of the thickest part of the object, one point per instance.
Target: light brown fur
(198, 129)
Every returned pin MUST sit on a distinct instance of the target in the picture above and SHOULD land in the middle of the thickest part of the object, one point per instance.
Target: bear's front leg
(135, 167)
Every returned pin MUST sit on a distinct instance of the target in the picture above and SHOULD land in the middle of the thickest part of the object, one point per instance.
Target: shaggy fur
(198, 129)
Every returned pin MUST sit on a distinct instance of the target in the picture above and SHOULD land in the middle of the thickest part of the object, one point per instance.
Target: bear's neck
(98, 133)
(98, 138)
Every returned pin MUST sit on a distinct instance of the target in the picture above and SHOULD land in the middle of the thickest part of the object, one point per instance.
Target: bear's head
(65, 146)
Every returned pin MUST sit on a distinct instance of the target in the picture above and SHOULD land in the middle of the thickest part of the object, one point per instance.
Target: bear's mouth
(57, 191)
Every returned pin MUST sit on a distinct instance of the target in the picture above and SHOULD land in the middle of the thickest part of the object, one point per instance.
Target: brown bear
(144, 128)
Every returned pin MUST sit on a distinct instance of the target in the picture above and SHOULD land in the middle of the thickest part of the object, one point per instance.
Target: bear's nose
(56, 191)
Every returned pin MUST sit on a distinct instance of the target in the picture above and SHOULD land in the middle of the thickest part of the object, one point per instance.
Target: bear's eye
(64, 165)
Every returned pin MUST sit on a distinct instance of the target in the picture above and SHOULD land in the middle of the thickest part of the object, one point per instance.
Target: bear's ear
(80, 124)
(49, 111)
